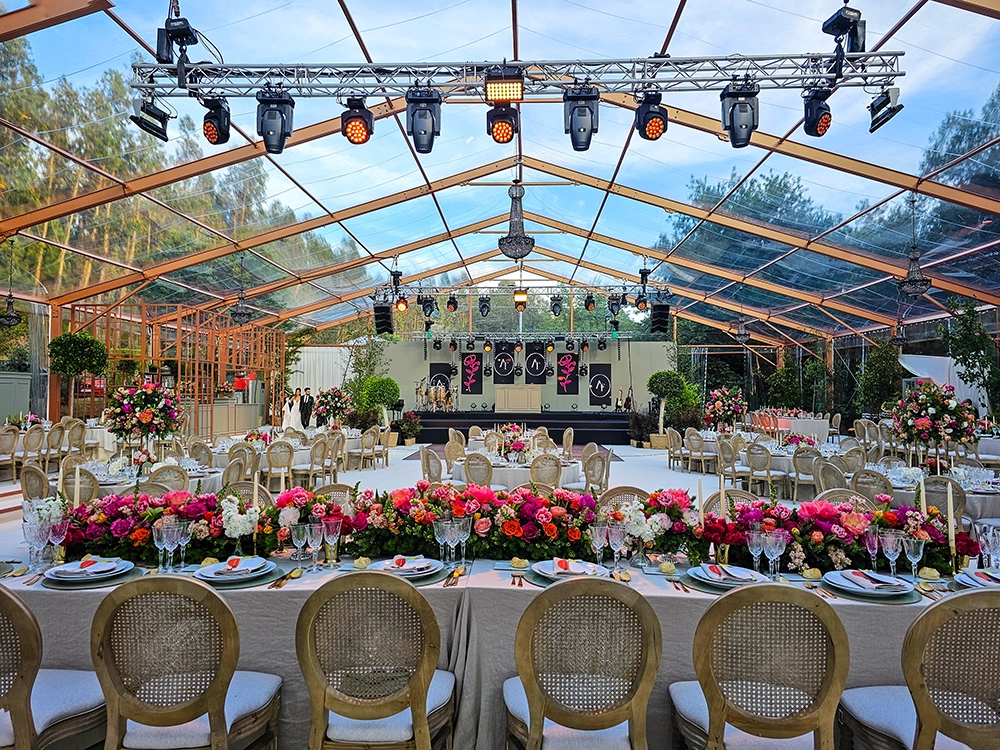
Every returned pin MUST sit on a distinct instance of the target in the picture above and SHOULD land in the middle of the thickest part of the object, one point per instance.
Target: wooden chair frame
(546, 469)
(233, 472)
(33, 475)
(713, 503)
(274, 467)
(567, 442)
(170, 476)
(244, 490)
(865, 475)
(474, 460)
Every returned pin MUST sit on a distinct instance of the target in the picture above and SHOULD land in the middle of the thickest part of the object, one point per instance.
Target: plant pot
(393, 439)
(645, 444)
(635, 443)
(409, 441)
(659, 442)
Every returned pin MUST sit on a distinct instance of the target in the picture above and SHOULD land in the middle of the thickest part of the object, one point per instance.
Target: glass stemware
(870, 539)
(159, 539)
(774, 548)
(314, 535)
(57, 535)
(441, 535)
(452, 539)
(616, 540)
(914, 549)
(755, 543)
(171, 540)
(184, 539)
(892, 545)
(299, 536)
(331, 535)
(464, 532)
(598, 541)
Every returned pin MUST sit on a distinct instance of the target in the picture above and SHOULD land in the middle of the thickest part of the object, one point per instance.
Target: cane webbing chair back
(937, 494)
(847, 443)
(155, 489)
(34, 483)
(433, 463)
(475, 431)
(869, 483)
(280, 455)
(165, 650)
(545, 443)
(594, 473)
(173, 477)
(713, 504)
(87, 484)
(452, 452)
(457, 436)
(244, 491)
(546, 469)
(567, 442)
(802, 460)
(840, 495)
(201, 453)
(616, 496)
(491, 441)
(890, 462)
(8, 440)
(371, 672)
(478, 470)
(233, 472)
(542, 430)
(951, 663)
(588, 450)
(335, 450)
(77, 432)
(750, 677)
(587, 654)
(54, 444)
(830, 476)
(542, 490)
(339, 494)
(242, 450)
(252, 470)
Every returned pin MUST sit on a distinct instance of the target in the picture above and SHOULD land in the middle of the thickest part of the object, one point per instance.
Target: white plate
(124, 566)
(970, 579)
(210, 572)
(836, 579)
(386, 566)
(699, 574)
(544, 569)
(964, 579)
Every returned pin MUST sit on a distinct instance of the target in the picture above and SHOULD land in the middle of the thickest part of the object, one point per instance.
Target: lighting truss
(542, 78)
(389, 293)
(510, 337)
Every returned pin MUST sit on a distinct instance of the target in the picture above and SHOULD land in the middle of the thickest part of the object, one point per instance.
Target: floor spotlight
(650, 117)
(589, 303)
(883, 108)
(357, 123)
(614, 304)
(274, 119)
(556, 305)
(487, 346)
(520, 300)
(550, 345)
(740, 112)
(423, 117)
(149, 118)
(502, 123)
(402, 303)
(452, 303)
(818, 117)
(484, 305)
(215, 126)
(581, 109)
(570, 344)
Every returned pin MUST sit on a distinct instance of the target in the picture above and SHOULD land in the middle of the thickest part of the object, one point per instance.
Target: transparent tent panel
(723, 247)
(320, 248)
(162, 292)
(884, 299)
(44, 270)
(751, 296)
(470, 204)
(813, 272)
(464, 144)
(34, 177)
(979, 174)
(223, 275)
(328, 314)
(981, 269)
(397, 225)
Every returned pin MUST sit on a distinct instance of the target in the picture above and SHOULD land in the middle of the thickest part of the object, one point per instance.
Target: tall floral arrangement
(139, 412)
(725, 406)
(795, 440)
(931, 414)
(332, 404)
(512, 440)
(291, 507)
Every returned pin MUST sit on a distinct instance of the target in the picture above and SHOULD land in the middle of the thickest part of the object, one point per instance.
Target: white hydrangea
(235, 523)
(288, 517)
(635, 522)
(49, 509)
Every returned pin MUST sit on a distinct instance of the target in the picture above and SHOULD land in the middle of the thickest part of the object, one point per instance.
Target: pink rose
(482, 526)
(680, 527)
(543, 515)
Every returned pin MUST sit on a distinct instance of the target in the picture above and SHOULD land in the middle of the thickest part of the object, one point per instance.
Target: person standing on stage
(306, 407)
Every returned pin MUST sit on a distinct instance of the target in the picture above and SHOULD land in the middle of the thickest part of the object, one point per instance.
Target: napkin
(241, 566)
(87, 567)
(418, 562)
(724, 573)
(985, 577)
(562, 566)
(873, 581)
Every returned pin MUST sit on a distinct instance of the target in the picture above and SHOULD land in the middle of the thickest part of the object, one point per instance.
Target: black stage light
(614, 304)
(484, 305)
(659, 318)
(452, 303)
(470, 344)
(383, 318)
(550, 345)
(570, 344)
(402, 303)
(357, 123)
(437, 345)
(846, 22)
(818, 116)
(614, 323)
(583, 370)
(504, 84)
(150, 118)
(175, 31)
(883, 108)
(215, 126)
(453, 345)
(585, 346)
(641, 303)
(518, 371)
(650, 117)
(519, 346)
(487, 373)
(520, 300)
(274, 119)
(428, 324)
(453, 370)
(487, 346)
(740, 112)
(549, 371)
(502, 123)
(423, 117)
(589, 303)
(556, 305)
(581, 109)
(428, 305)
(602, 344)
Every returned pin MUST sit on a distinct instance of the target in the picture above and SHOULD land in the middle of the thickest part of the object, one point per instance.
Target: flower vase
(238, 552)
(640, 559)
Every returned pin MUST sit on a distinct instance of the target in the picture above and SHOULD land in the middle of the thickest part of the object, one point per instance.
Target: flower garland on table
(931, 414)
(795, 440)
(332, 404)
(291, 507)
(142, 412)
(666, 522)
(725, 406)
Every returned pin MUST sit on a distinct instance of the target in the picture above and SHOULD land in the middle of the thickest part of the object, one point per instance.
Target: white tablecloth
(211, 483)
(989, 446)
(817, 429)
(221, 460)
(107, 444)
(977, 504)
(510, 477)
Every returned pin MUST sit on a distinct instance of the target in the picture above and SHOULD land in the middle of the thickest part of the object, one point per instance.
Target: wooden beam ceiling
(989, 8)
(41, 14)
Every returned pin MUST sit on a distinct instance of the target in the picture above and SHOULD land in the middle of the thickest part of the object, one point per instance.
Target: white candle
(722, 498)
(701, 504)
(256, 492)
(951, 521)
(76, 488)
(923, 497)
(282, 480)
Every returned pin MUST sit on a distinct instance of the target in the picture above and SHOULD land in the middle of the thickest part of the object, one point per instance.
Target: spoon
(927, 590)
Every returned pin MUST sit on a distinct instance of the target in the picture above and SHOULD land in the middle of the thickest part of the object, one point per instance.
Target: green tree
(783, 389)
(973, 349)
(881, 378)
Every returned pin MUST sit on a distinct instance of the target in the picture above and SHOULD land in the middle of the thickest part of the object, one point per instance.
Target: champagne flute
(159, 539)
(299, 534)
(870, 538)
(171, 540)
(892, 543)
(774, 548)
(184, 538)
(30, 528)
(314, 535)
(616, 540)
(914, 549)
(598, 540)
(755, 543)
(57, 534)
(331, 535)
(452, 539)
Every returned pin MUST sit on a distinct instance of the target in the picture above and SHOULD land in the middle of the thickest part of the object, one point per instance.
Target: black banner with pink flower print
(472, 374)
(567, 374)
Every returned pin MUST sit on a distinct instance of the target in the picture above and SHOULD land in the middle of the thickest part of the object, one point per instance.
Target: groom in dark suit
(306, 407)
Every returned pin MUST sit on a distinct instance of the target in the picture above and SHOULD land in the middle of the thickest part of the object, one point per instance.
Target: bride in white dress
(291, 415)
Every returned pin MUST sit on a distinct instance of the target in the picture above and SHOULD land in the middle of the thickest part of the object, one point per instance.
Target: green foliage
(409, 426)
(367, 361)
(18, 361)
(815, 378)
(361, 419)
(128, 367)
(680, 398)
(973, 349)
(881, 379)
(73, 354)
(377, 392)
(640, 426)
(666, 384)
(783, 389)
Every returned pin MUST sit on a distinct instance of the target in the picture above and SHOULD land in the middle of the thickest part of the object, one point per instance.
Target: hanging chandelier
(240, 313)
(914, 284)
(11, 317)
(899, 337)
(741, 335)
(516, 244)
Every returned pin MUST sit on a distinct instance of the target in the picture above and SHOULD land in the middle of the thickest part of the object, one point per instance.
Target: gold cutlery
(16, 572)
(519, 577)
(676, 587)
(452, 580)
(684, 588)
(625, 577)
(34, 579)
(928, 590)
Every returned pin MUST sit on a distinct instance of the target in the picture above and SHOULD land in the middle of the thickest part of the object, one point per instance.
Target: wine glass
(755, 543)
(774, 548)
(892, 543)
(616, 540)
(985, 537)
(914, 549)
(299, 536)
(598, 540)
(331, 535)
(184, 539)
(452, 539)
(57, 533)
(870, 538)
(464, 532)
(441, 534)
(159, 539)
(314, 535)
(171, 540)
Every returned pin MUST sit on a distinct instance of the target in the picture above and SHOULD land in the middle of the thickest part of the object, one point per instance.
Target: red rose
(573, 533)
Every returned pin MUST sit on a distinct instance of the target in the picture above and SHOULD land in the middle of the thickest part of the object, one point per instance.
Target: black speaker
(659, 318)
(383, 319)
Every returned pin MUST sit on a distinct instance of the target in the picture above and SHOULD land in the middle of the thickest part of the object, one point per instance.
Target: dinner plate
(969, 578)
(210, 572)
(124, 566)
(837, 579)
(544, 569)
(386, 566)
(699, 573)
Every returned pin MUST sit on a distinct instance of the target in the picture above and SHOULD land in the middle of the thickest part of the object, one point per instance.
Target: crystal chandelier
(515, 245)
(914, 283)
(11, 317)
(741, 335)
(899, 337)
(240, 313)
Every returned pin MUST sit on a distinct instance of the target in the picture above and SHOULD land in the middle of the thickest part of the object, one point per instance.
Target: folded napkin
(725, 573)
(562, 566)
(240, 566)
(88, 567)
(873, 581)
(418, 562)
(985, 577)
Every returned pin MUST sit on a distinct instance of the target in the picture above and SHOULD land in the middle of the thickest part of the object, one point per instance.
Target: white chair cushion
(248, 692)
(582, 486)
(305, 467)
(57, 695)
(889, 710)
(395, 728)
(689, 704)
(556, 736)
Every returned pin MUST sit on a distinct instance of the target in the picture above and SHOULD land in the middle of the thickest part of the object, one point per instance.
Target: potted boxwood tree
(409, 428)
(675, 395)
(74, 354)
(379, 393)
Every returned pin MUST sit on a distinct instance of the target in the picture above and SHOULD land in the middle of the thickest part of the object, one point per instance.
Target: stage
(601, 427)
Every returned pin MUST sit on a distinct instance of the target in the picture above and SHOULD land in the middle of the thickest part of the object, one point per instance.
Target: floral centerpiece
(795, 440)
(257, 438)
(144, 459)
(933, 465)
(224, 389)
(24, 421)
(141, 412)
(666, 522)
(292, 507)
(930, 414)
(239, 519)
(725, 407)
(332, 404)
(512, 441)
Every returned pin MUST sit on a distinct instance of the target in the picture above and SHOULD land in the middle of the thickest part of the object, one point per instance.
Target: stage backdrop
(503, 366)
(534, 363)
(439, 374)
(472, 374)
(567, 374)
(600, 385)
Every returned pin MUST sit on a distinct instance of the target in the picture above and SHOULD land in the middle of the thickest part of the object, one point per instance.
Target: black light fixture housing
(357, 123)
(846, 22)
(239, 313)
(614, 304)
(817, 117)
(556, 305)
(215, 126)
(899, 337)
(570, 344)
(504, 83)
(402, 304)
(519, 346)
(423, 117)
(641, 303)
(453, 345)
(518, 370)
(740, 112)
(484, 305)
(602, 344)
(470, 343)
(589, 303)
(650, 117)
(437, 345)
(452, 303)
(427, 304)
(384, 321)
(884, 107)
(150, 118)
(585, 346)
(10, 317)
(274, 119)
(520, 300)
(550, 345)
(581, 110)
(502, 123)
(487, 346)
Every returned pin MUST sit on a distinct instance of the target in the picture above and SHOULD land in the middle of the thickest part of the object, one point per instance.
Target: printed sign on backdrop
(534, 364)
(440, 374)
(567, 374)
(600, 385)
(472, 374)
(503, 367)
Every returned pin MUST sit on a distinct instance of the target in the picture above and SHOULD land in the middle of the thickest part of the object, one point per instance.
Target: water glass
(464, 532)
(171, 540)
(159, 539)
(892, 545)
(441, 535)
(870, 539)
(183, 538)
(774, 548)
(598, 540)
(299, 534)
(331, 535)
(314, 535)
(914, 549)
(755, 543)
(616, 540)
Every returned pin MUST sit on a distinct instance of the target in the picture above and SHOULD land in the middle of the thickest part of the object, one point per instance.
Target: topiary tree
(379, 392)
(74, 354)
(677, 396)
(882, 377)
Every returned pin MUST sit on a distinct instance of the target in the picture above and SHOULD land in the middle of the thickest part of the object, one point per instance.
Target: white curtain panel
(943, 371)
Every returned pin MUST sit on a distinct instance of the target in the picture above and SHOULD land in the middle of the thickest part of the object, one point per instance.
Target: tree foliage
(73, 354)
(973, 349)
(881, 379)
(783, 389)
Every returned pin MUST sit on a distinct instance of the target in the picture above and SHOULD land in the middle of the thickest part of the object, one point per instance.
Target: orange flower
(418, 516)
(146, 416)
(573, 533)
(511, 528)
(283, 533)
(458, 510)
(139, 536)
(550, 530)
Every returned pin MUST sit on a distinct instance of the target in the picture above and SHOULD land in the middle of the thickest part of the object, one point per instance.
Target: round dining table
(506, 475)
(200, 483)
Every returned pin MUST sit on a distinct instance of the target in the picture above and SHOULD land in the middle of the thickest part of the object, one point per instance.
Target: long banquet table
(477, 619)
